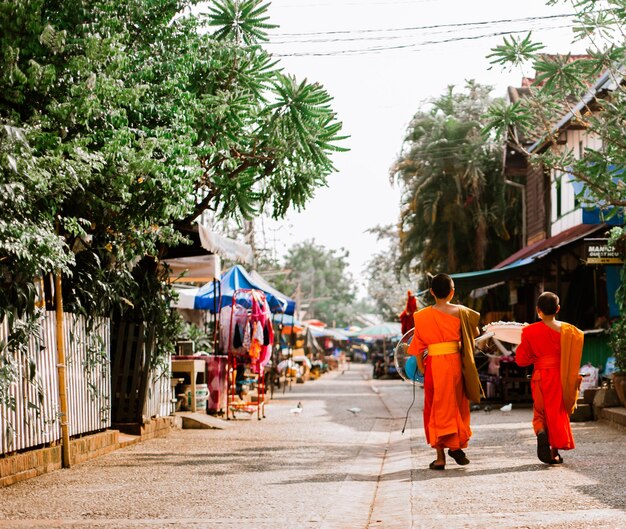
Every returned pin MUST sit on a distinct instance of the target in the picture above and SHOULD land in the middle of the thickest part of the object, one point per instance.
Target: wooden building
(557, 233)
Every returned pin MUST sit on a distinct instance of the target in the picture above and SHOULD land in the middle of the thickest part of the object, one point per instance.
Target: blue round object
(411, 370)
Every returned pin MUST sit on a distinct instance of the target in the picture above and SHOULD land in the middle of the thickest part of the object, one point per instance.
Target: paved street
(331, 468)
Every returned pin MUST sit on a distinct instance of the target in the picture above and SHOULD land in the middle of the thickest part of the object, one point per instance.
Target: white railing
(31, 417)
(159, 401)
(88, 373)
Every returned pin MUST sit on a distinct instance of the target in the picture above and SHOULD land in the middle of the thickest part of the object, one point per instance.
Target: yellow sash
(443, 348)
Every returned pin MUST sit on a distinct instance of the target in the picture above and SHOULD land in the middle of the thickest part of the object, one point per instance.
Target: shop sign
(598, 251)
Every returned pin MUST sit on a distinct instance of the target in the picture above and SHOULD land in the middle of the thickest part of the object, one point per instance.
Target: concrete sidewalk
(340, 463)
(505, 486)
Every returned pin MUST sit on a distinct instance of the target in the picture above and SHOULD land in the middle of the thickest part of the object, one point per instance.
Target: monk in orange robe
(555, 350)
(407, 321)
(441, 329)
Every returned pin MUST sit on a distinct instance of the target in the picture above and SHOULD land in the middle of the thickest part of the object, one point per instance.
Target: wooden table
(193, 368)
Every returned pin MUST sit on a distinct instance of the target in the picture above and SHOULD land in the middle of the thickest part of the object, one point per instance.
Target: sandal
(437, 466)
(458, 456)
(557, 460)
(543, 447)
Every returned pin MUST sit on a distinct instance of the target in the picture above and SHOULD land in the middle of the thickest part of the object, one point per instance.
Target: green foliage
(120, 122)
(240, 20)
(456, 214)
(202, 340)
(555, 73)
(320, 282)
(564, 85)
(515, 51)
(501, 117)
(14, 349)
(387, 284)
(617, 340)
(562, 82)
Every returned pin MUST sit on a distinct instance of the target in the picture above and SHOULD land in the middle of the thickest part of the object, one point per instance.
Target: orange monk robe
(446, 409)
(555, 381)
(406, 317)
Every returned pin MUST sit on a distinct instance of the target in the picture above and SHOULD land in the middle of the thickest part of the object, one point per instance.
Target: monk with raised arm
(447, 332)
(555, 349)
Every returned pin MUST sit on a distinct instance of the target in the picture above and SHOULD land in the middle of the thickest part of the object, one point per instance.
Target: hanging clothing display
(246, 336)
(233, 328)
(246, 328)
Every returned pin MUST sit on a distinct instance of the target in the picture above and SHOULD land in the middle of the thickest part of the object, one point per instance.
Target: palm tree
(452, 203)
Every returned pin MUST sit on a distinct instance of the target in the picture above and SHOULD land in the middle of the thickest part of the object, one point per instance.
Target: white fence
(30, 413)
(159, 401)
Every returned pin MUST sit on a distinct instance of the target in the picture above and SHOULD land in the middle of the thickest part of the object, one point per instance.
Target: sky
(382, 60)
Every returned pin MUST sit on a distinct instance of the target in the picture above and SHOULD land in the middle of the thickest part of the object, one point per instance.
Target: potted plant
(617, 341)
(202, 341)
(618, 347)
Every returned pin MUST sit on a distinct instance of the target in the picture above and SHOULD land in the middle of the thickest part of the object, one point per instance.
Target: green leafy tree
(387, 284)
(120, 122)
(559, 88)
(320, 282)
(564, 85)
(454, 216)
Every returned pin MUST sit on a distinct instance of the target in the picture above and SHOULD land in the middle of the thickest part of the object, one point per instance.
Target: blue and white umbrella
(207, 297)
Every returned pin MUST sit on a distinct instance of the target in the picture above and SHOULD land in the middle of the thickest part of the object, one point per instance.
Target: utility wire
(436, 26)
(378, 49)
(532, 26)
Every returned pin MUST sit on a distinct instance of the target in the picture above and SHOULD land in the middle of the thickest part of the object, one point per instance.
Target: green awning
(483, 278)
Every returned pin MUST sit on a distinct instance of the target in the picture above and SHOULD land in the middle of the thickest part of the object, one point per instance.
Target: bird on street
(507, 408)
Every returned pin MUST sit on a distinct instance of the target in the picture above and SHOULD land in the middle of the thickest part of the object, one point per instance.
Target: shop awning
(326, 332)
(483, 278)
(186, 296)
(195, 269)
(262, 283)
(524, 259)
(564, 238)
(209, 296)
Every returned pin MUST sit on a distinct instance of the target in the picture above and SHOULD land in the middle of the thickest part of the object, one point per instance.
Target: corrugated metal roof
(570, 235)
(527, 256)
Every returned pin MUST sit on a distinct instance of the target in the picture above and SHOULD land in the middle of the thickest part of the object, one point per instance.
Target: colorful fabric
(248, 331)
(443, 348)
(572, 341)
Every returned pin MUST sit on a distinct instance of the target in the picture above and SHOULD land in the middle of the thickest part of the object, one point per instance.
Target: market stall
(247, 336)
(382, 339)
(237, 380)
(502, 379)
